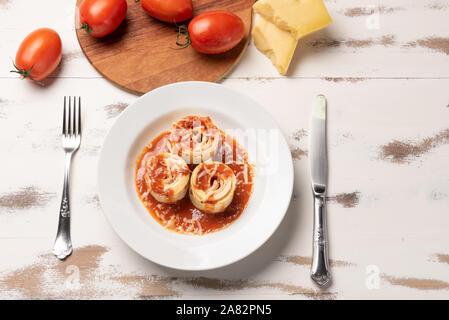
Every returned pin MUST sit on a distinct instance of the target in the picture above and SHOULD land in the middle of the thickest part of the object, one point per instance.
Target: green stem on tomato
(86, 27)
(25, 73)
(183, 31)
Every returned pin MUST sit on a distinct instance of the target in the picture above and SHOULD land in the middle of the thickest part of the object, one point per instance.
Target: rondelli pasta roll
(167, 177)
(212, 186)
(195, 139)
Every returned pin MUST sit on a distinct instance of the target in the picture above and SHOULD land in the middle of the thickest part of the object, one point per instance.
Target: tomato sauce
(157, 174)
(203, 181)
(182, 216)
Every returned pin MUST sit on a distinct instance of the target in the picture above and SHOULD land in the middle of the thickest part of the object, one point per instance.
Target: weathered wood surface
(388, 148)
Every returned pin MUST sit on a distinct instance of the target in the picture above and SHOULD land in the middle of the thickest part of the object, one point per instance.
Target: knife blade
(319, 271)
(318, 149)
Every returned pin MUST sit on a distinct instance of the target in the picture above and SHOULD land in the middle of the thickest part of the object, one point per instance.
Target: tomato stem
(183, 31)
(25, 73)
(86, 27)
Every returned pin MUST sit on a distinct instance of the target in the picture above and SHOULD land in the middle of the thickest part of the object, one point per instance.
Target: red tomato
(216, 32)
(102, 17)
(171, 11)
(39, 54)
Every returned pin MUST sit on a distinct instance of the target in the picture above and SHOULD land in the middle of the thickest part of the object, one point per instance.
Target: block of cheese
(277, 44)
(300, 17)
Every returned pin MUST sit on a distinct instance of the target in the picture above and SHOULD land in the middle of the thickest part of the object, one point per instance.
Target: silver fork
(71, 139)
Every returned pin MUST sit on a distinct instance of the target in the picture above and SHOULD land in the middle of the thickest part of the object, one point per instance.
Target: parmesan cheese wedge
(299, 17)
(277, 44)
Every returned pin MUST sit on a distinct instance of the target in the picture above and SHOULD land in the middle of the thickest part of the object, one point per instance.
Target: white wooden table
(384, 66)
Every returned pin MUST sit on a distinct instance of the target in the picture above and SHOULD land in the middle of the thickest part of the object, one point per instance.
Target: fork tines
(71, 124)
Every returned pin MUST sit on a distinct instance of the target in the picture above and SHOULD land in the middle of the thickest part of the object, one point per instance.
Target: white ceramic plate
(238, 115)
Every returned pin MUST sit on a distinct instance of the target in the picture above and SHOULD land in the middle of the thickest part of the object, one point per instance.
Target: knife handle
(320, 264)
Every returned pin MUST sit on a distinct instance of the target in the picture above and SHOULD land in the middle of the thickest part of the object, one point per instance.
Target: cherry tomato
(39, 54)
(216, 32)
(171, 11)
(101, 17)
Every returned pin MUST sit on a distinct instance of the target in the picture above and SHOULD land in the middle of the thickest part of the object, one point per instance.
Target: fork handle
(63, 244)
(320, 265)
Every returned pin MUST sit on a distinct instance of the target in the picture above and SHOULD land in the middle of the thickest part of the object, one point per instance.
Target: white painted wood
(399, 224)
(392, 52)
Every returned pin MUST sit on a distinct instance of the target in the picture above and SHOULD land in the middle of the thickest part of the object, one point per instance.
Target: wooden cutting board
(140, 55)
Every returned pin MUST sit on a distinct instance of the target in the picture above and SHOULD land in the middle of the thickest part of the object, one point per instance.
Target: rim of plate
(136, 226)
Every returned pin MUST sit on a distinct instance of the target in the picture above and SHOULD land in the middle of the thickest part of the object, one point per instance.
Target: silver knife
(318, 167)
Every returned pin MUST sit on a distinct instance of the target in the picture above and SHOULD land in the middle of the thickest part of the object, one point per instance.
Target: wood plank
(388, 147)
(389, 208)
(412, 41)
